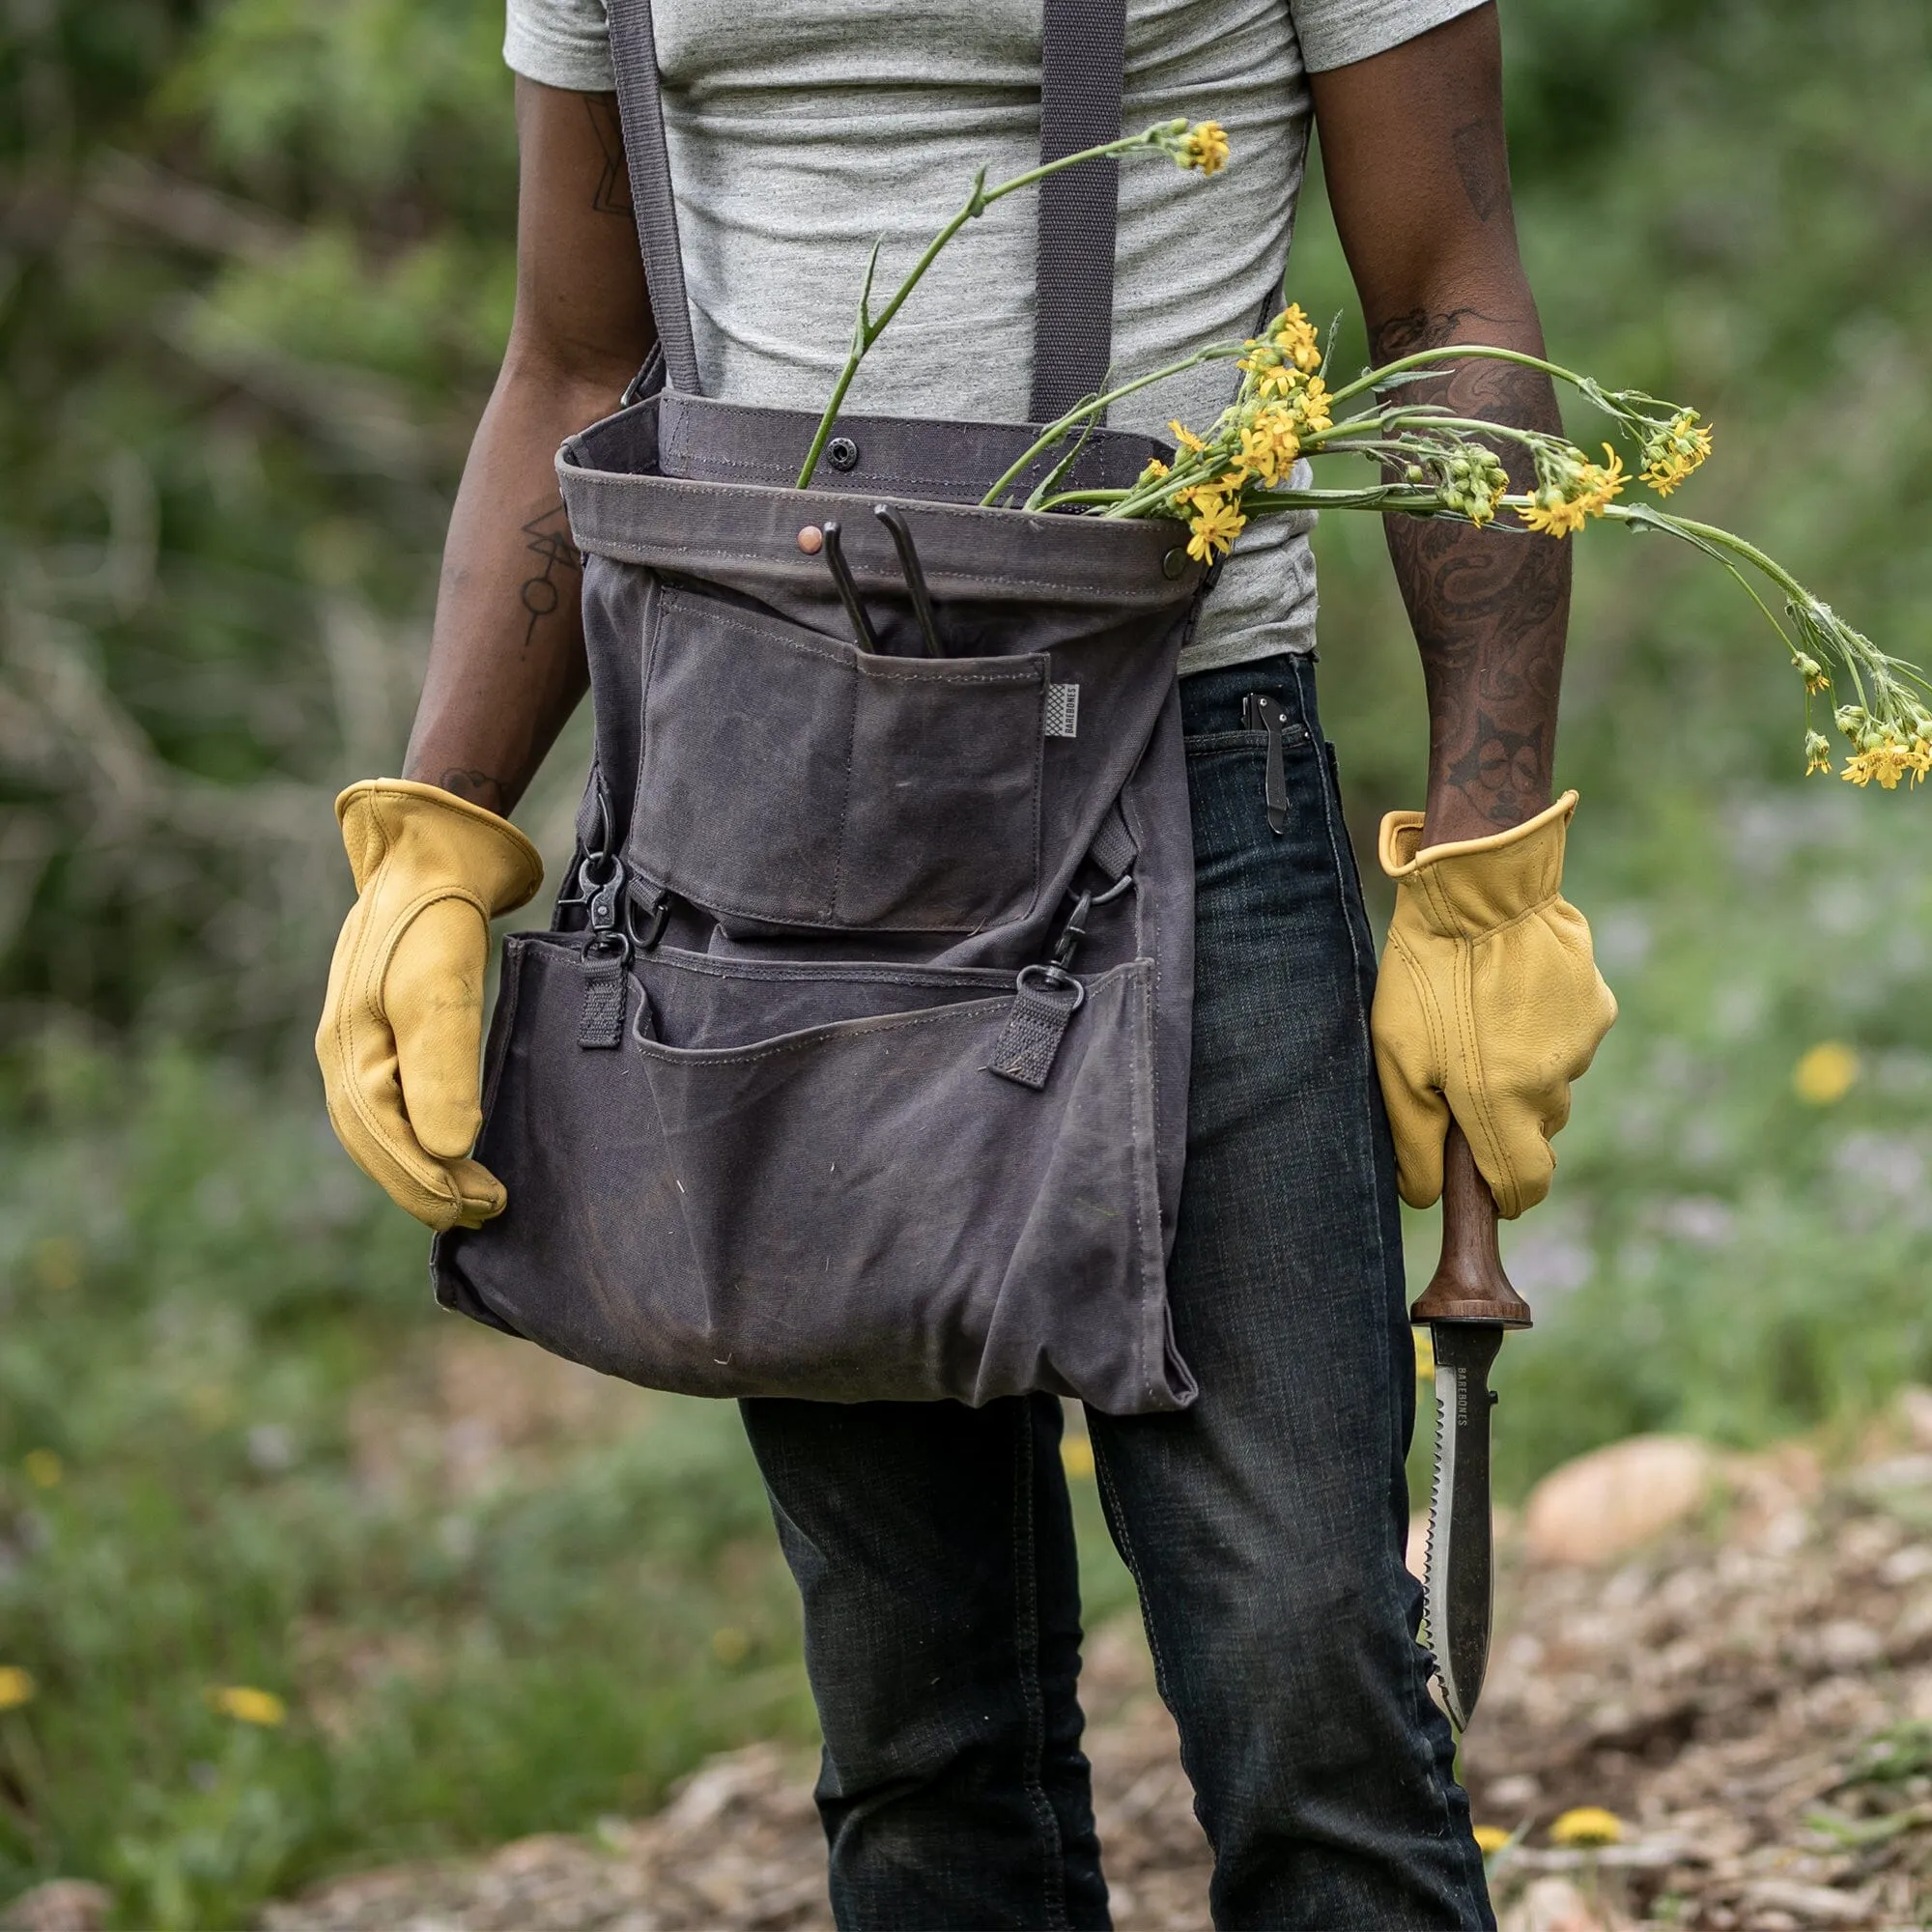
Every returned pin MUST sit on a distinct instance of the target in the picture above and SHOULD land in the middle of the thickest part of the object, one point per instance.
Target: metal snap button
(1174, 563)
(842, 453)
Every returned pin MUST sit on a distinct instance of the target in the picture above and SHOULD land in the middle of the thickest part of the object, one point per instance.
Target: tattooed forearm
(1490, 607)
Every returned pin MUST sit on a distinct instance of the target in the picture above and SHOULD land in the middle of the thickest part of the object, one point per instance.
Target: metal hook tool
(848, 590)
(915, 575)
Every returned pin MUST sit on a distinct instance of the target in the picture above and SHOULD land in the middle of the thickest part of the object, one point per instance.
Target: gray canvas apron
(855, 1064)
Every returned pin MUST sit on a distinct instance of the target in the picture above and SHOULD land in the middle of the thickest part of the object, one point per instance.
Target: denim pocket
(788, 777)
(851, 1209)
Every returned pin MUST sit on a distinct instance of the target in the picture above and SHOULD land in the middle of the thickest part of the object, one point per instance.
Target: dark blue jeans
(933, 1544)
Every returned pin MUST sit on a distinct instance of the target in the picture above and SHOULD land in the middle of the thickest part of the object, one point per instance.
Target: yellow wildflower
(1572, 496)
(17, 1687)
(1816, 677)
(1675, 451)
(1203, 148)
(1586, 1826)
(1886, 764)
(1154, 471)
(249, 1706)
(1826, 1074)
(1312, 407)
(1817, 753)
(44, 1468)
(1492, 1839)
(1186, 439)
(1215, 523)
(1296, 336)
(1270, 444)
(1555, 514)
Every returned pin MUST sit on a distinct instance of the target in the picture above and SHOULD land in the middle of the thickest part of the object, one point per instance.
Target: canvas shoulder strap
(1083, 52)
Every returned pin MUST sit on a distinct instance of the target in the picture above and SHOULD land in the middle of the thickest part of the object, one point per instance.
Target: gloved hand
(1489, 1003)
(402, 1025)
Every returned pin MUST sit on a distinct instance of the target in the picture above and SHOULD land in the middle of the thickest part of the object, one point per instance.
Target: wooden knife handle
(1470, 1284)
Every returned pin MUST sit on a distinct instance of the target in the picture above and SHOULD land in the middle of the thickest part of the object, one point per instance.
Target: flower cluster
(1468, 478)
(1201, 148)
(1883, 752)
(1283, 404)
(1673, 450)
(1570, 489)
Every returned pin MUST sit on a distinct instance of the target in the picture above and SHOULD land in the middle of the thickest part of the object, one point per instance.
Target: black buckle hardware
(1075, 928)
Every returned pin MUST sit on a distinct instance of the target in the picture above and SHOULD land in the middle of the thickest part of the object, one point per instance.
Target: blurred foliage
(255, 269)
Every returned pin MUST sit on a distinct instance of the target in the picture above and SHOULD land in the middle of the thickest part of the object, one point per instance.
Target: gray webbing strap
(633, 54)
(1082, 50)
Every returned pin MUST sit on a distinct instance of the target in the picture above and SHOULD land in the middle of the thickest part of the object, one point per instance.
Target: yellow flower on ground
(17, 1687)
(1492, 1839)
(1215, 524)
(1826, 1074)
(44, 1468)
(1675, 451)
(1203, 148)
(249, 1706)
(1586, 1826)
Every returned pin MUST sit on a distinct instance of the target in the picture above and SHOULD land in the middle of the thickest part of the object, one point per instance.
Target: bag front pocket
(853, 1211)
(790, 778)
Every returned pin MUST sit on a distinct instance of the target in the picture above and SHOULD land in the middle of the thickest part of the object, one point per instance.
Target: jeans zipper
(1262, 713)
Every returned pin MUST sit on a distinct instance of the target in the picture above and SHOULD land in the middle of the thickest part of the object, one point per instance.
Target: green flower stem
(1455, 351)
(1215, 352)
(867, 330)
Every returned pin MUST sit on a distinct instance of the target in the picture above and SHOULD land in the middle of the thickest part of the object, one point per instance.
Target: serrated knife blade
(1459, 1573)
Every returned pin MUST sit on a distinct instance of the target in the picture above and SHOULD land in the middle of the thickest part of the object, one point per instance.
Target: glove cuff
(440, 834)
(1470, 887)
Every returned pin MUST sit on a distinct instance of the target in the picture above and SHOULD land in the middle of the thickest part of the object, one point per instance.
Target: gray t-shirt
(801, 130)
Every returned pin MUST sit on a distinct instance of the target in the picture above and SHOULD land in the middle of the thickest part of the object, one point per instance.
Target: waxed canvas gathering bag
(854, 1065)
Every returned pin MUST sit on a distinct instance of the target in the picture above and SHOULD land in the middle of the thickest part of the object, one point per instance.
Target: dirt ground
(1749, 1690)
(1734, 1655)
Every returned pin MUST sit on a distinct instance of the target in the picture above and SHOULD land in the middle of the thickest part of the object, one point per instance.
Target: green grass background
(256, 270)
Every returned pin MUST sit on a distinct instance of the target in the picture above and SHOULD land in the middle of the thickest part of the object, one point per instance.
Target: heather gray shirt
(801, 130)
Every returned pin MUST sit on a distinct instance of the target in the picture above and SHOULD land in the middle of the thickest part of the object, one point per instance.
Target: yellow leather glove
(402, 1026)
(1489, 1005)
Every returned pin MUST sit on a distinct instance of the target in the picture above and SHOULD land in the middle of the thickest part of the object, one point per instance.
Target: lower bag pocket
(850, 1211)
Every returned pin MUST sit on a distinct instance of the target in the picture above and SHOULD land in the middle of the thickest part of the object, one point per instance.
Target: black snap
(1173, 564)
(842, 453)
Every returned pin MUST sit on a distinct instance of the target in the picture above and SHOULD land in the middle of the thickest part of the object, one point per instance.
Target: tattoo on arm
(492, 794)
(1490, 607)
(1482, 160)
(548, 538)
(613, 186)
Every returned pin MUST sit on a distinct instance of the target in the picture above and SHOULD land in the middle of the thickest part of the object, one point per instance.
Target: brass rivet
(812, 540)
(1173, 564)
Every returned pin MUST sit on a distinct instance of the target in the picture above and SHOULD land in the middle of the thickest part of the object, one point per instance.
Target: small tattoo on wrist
(477, 788)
